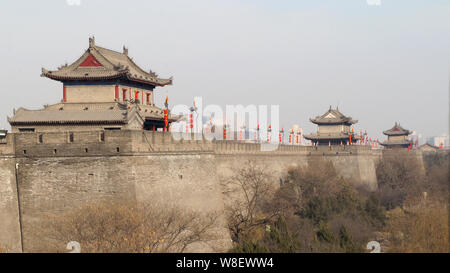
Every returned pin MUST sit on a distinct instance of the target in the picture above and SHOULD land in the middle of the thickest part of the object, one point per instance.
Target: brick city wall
(57, 171)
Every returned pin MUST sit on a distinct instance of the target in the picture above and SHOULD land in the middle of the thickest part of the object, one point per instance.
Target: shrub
(421, 229)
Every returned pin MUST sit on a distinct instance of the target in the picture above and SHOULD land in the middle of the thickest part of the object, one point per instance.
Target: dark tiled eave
(148, 82)
(78, 122)
(71, 78)
(93, 78)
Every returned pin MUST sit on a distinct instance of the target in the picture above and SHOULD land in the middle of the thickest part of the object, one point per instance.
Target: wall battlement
(115, 143)
(51, 172)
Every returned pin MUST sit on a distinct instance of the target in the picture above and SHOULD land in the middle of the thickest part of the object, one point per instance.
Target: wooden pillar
(64, 94)
(116, 95)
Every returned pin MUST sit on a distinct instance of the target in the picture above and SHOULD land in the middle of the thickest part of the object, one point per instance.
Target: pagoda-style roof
(331, 136)
(98, 63)
(397, 130)
(88, 113)
(428, 146)
(333, 116)
(390, 143)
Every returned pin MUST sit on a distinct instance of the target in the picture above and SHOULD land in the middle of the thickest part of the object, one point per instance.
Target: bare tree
(398, 176)
(249, 190)
(112, 227)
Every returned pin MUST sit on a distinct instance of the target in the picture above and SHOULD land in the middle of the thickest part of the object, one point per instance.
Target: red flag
(166, 118)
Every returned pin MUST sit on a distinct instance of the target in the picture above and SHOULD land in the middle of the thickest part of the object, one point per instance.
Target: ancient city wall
(10, 236)
(57, 172)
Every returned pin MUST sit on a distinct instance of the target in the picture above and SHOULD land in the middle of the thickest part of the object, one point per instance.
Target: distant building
(416, 138)
(439, 141)
(397, 137)
(333, 128)
(102, 90)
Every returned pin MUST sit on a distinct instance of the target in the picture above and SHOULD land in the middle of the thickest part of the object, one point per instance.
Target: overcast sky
(380, 64)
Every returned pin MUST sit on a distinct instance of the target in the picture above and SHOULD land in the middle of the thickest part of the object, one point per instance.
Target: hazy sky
(380, 64)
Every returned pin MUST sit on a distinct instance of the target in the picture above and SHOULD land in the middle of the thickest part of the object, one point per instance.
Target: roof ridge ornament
(43, 72)
(125, 50)
(91, 42)
(153, 74)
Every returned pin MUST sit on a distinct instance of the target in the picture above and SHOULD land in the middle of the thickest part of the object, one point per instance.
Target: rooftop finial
(330, 107)
(91, 41)
(125, 50)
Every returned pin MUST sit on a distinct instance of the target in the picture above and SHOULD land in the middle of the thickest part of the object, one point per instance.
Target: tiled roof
(428, 145)
(333, 116)
(82, 113)
(316, 136)
(108, 64)
(24, 116)
(397, 130)
(87, 106)
(395, 143)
